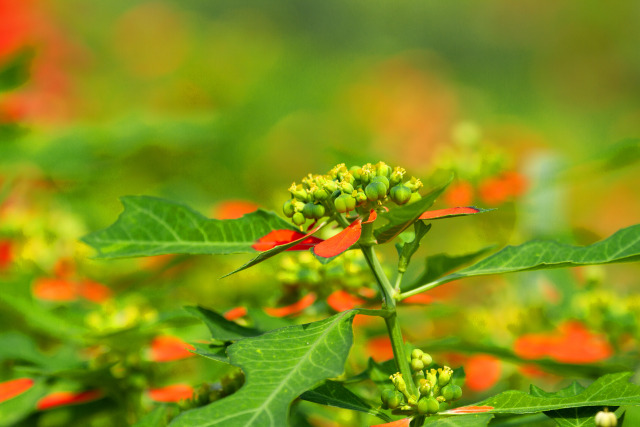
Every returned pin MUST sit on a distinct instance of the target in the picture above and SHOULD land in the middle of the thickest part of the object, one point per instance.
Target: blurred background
(221, 105)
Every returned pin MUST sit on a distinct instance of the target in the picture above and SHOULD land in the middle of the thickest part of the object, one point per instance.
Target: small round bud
(288, 209)
(432, 406)
(387, 394)
(382, 179)
(330, 185)
(321, 194)
(346, 187)
(447, 392)
(383, 169)
(395, 400)
(426, 359)
(457, 391)
(307, 211)
(417, 365)
(400, 194)
(414, 197)
(424, 387)
(318, 211)
(416, 353)
(298, 218)
(606, 419)
(341, 203)
(375, 191)
(444, 376)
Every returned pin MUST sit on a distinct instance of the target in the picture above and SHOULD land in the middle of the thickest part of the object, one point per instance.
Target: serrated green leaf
(622, 246)
(221, 328)
(332, 393)
(20, 406)
(571, 390)
(403, 216)
(211, 351)
(440, 264)
(152, 226)
(575, 417)
(609, 390)
(279, 366)
(475, 420)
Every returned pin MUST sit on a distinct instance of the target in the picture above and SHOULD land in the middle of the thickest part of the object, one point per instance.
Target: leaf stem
(425, 287)
(396, 287)
(392, 322)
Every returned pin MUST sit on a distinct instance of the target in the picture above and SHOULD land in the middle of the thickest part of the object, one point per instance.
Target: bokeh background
(534, 105)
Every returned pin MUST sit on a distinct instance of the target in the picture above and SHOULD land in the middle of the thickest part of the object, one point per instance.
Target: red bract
(572, 343)
(400, 423)
(169, 348)
(63, 398)
(497, 190)
(12, 388)
(469, 410)
(232, 209)
(443, 213)
(342, 241)
(459, 194)
(482, 372)
(294, 308)
(235, 313)
(342, 300)
(171, 393)
(54, 289)
(6, 255)
(282, 237)
(93, 291)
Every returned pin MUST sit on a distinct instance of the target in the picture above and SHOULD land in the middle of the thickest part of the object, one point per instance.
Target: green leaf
(156, 418)
(410, 248)
(440, 264)
(622, 246)
(332, 393)
(221, 328)
(151, 226)
(402, 217)
(15, 72)
(279, 366)
(211, 351)
(575, 417)
(20, 406)
(475, 420)
(609, 390)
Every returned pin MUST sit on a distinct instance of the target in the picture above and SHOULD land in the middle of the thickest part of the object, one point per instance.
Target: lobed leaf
(221, 328)
(278, 366)
(152, 226)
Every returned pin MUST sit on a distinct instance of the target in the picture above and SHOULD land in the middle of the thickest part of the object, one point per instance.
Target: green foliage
(332, 393)
(15, 72)
(20, 406)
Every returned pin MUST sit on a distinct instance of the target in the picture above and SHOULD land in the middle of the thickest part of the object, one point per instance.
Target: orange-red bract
(281, 237)
(12, 388)
(380, 349)
(54, 289)
(459, 194)
(232, 209)
(399, 423)
(482, 372)
(6, 255)
(171, 393)
(63, 398)
(441, 213)
(571, 343)
(469, 410)
(168, 348)
(497, 190)
(93, 291)
(339, 243)
(235, 313)
(294, 308)
(341, 300)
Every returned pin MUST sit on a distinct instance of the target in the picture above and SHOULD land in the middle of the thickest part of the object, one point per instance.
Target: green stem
(397, 284)
(424, 287)
(392, 322)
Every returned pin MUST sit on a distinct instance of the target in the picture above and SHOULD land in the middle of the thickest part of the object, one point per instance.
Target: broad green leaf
(151, 226)
(20, 406)
(622, 246)
(403, 216)
(575, 417)
(211, 351)
(440, 264)
(410, 248)
(279, 366)
(15, 72)
(221, 328)
(475, 420)
(156, 418)
(332, 393)
(609, 390)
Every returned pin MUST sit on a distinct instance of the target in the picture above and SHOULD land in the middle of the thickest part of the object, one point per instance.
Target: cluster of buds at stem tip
(345, 189)
(434, 388)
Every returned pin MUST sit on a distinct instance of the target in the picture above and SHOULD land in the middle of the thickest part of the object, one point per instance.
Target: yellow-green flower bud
(382, 179)
(606, 419)
(383, 169)
(298, 218)
(397, 176)
(288, 209)
(416, 353)
(355, 171)
(447, 392)
(375, 191)
(345, 187)
(345, 203)
(387, 394)
(444, 376)
(330, 185)
(395, 400)
(400, 194)
(417, 365)
(414, 198)
(320, 194)
(424, 387)
(298, 192)
(426, 359)
(428, 405)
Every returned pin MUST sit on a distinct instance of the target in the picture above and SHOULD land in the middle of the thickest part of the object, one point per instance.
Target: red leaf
(294, 308)
(469, 410)
(12, 388)
(281, 237)
(63, 398)
(340, 242)
(482, 372)
(167, 348)
(443, 213)
(235, 313)
(171, 393)
(342, 300)
(372, 217)
(400, 423)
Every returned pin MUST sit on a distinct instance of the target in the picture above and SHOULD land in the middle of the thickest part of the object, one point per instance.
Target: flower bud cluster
(349, 271)
(345, 189)
(434, 388)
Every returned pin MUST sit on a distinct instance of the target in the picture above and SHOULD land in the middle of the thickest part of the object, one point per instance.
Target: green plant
(374, 205)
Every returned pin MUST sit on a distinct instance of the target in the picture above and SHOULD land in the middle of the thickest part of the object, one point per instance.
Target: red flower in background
(482, 372)
(292, 309)
(342, 300)
(232, 209)
(12, 388)
(6, 254)
(171, 393)
(380, 349)
(571, 343)
(168, 348)
(235, 313)
(459, 194)
(499, 189)
(66, 290)
(63, 398)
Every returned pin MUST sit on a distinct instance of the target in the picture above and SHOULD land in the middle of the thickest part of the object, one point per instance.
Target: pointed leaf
(609, 390)
(476, 420)
(452, 212)
(410, 248)
(151, 226)
(279, 366)
(20, 406)
(622, 246)
(212, 351)
(402, 217)
(332, 393)
(278, 241)
(575, 417)
(221, 328)
(339, 243)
